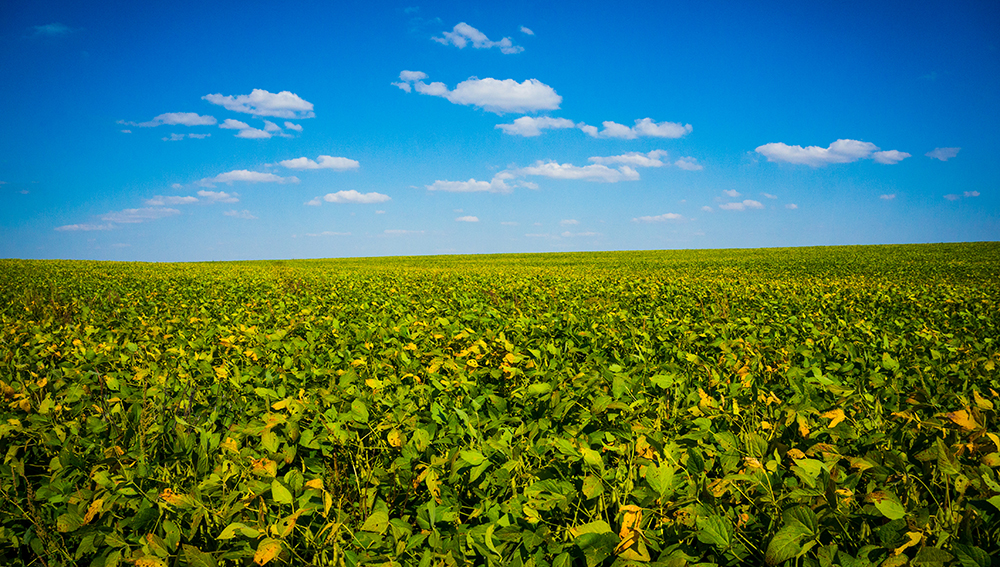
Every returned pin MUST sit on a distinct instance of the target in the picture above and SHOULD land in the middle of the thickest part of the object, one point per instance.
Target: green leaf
(932, 557)
(971, 556)
(68, 522)
(377, 522)
(715, 530)
(279, 493)
(359, 411)
(230, 531)
(785, 544)
(539, 389)
(888, 505)
(196, 557)
(803, 516)
(474, 458)
(598, 527)
(592, 486)
(889, 363)
(591, 457)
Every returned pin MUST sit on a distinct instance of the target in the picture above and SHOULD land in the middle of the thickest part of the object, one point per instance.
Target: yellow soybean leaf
(835, 417)
(95, 508)
(267, 550)
(963, 419)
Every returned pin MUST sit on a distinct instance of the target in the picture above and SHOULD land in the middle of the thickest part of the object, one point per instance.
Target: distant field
(815, 406)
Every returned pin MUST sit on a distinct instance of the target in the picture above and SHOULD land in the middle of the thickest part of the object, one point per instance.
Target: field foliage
(815, 406)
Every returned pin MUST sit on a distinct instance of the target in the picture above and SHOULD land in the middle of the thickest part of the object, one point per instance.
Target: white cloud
(595, 172)
(411, 76)
(791, 206)
(890, 157)
(247, 176)
(971, 194)
(659, 218)
(707, 209)
(689, 164)
(463, 34)
(52, 30)
(179, 118)
(263, 103)
(244, 214)
(253, 134)
(126, 131)
(943, 154)
(314, 202)
(353, 196)
(637, 159)
(569, 222)
(526, 31)
(177, 137)
(952, 197)
(746, 204)
(887, 197)
(231, 124)
(176, 186)
(769, 196)
(468, 218)
(841, 151)
(492, 94)
(133, 216)
(326, 233)
(293, 126)
(528, 126)
(731, 193)
(322, 162)
(160, 200)
(497, 185)
(271, 126)
(219, 196)
(379, 212)
(83, 227)
(569, 234)
(397, 232)
(645, 128)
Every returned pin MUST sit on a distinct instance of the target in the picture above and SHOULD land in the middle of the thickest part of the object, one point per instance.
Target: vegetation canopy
(811, 406)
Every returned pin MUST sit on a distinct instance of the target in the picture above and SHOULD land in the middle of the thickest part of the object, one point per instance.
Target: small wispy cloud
(887, 196)
(569, 222)
(353, 196)
(659, 218)
(54, 29)
(219, 196)
(463, 35)
(746, 204)
(322, 162)
(160, 200)
(83, 227)
(260, 102)
(943, 154)
(971, 194)
(244, 214)
(246, 176)
(467, 218)
(400, 232)
(492, 95)
(769, 196)
(791, 206)
(840, 151)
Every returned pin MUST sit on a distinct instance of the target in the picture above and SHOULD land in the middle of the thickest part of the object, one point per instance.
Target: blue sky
(218, 131)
